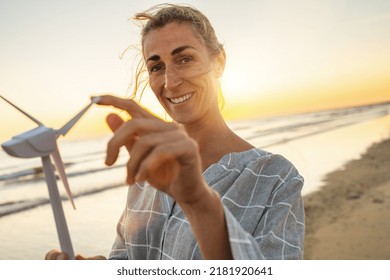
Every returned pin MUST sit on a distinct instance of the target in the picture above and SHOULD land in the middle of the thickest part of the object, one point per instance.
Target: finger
(115, 122)
(56, 255)
(80, 257)
(134, 109)
(130, 131)
(52, 255)
(98, 258)
(62, 256)
(144, 145)
(160, 167)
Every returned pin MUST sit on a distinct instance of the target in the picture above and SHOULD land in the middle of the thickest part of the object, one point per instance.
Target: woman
(197, 190)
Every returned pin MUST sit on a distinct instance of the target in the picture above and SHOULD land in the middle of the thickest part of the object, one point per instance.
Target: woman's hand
(165, 156)
(160, 152)
(57, 255)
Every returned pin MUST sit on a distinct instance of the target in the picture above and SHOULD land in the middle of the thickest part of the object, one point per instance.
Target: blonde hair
(160, 15)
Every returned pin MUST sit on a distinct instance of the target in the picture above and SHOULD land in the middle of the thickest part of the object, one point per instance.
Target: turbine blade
(59, 164)
(65, 129)
(23, 112)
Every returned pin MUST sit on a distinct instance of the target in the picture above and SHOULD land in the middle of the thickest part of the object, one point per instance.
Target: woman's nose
(172, 79)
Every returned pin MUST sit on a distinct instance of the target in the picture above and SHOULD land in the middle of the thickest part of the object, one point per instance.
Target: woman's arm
(207, 219)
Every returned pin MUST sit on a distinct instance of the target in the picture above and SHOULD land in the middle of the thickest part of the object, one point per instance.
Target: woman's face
(182, 74)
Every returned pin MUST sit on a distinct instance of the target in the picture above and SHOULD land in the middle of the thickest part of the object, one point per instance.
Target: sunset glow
(283, 57)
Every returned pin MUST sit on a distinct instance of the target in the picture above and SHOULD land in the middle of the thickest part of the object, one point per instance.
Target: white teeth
(180, 99)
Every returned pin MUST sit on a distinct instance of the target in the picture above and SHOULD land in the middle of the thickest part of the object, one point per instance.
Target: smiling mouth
(180, 99)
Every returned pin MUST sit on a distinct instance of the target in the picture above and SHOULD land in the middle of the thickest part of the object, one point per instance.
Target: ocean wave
(312, 125)
(12, 207)
(37, 174)
(26, 175)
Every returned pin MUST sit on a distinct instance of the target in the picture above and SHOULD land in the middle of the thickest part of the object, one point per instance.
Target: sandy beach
(349, 217)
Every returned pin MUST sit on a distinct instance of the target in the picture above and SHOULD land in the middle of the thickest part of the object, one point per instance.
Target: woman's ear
(220, 63)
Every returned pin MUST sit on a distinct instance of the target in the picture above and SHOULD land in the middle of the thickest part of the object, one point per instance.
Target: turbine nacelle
(38, 142)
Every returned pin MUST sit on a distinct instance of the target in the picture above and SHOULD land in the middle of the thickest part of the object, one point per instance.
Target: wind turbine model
(42, 142)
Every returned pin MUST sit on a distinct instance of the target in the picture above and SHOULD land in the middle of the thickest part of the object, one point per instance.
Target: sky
(283, 57)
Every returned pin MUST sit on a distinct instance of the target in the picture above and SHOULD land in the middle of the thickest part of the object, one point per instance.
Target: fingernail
(95, 99)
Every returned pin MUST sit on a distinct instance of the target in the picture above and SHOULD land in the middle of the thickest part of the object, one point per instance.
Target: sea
(316, 143)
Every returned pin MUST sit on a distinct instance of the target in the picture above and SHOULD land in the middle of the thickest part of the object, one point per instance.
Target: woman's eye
(156, 68)
(185, 60)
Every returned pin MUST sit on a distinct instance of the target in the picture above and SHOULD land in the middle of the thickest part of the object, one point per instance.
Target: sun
(233, 82)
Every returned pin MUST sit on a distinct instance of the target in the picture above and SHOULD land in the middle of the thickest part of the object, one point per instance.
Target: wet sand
(349, 217)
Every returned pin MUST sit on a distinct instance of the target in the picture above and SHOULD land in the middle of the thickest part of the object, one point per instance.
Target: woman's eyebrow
(154, 58)
(180, 49)
(176, 51)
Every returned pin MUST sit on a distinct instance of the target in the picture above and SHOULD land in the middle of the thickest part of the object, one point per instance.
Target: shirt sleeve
(119, 250)
(279, 233)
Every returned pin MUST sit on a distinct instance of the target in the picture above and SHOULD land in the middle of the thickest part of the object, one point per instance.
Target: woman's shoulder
(260, 161)
(253, 156)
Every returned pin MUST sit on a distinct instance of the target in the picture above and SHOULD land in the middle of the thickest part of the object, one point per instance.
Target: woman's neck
(215, 139)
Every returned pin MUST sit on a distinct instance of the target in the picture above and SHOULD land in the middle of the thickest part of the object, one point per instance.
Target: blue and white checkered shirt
(261, 194)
